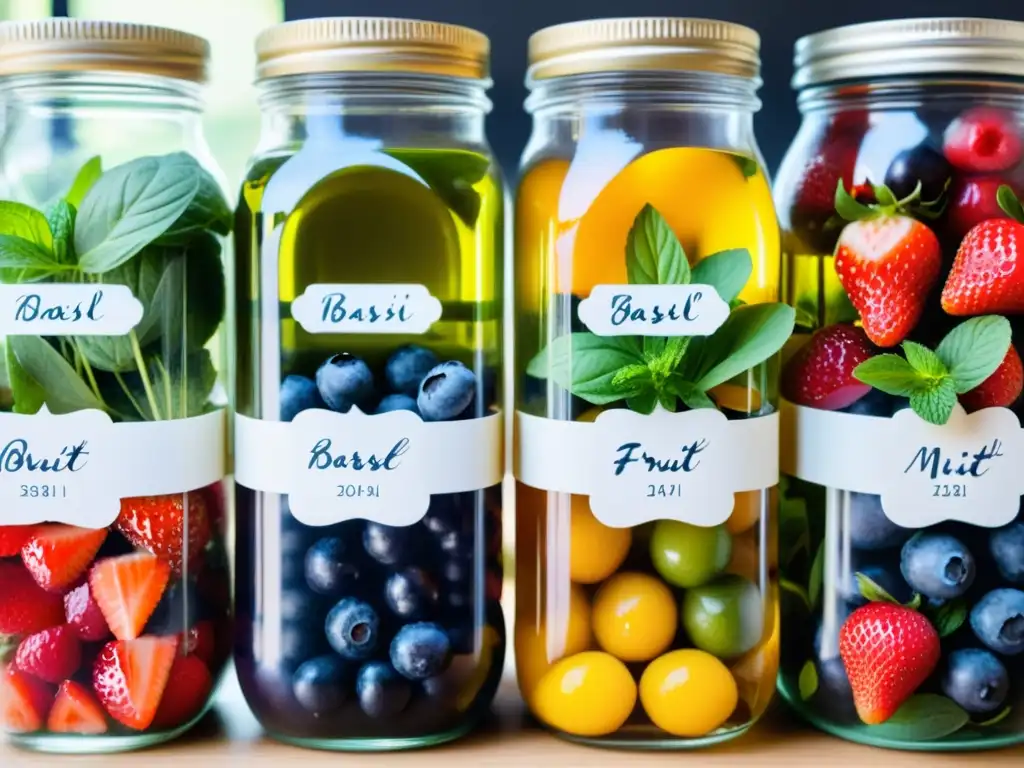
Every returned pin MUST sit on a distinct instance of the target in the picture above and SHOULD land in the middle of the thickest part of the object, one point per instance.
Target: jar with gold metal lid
(114, 584)
(369, 431)
(647, 330)
(902, 552)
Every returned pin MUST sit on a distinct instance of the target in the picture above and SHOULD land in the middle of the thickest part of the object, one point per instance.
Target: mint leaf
(923, 360)
(936, 404)
(25, 222)
(974, 350)
(653, 252)
(751, 334)
(668, 359)
(847, 207)
(61, 220)
(668, 400)
(28, 395)
(808, 681)
(891, 374)
(691, 395)
(64, 390)
(586, 364)
(922, 717)
(87, 175)
(643, 402)
(949, 617)
(1010, 203)
(630, 376)
(727, 271)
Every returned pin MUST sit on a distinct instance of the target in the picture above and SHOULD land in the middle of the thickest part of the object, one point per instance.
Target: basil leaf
(19, 253)
(61, 220)
(727, 271)
(923, 717)
(974, 350)
(208, 212)
(643, 402)
(654, 346)
(923, 360)
(553, 361)
(935, 405)
(64, 389)
(750, 335)
(132, 205)
(891, 374)
(808, 681)
(25, 222)
(691, 395)
(631, 375)
(28, 395)
(653, 252)
(181, 384)
(668, 400)
(87, 175)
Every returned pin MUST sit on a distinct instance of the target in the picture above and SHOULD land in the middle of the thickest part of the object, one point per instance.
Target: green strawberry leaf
(974, 349)
(1005, 713)
(727, 271)
(924, 361)
(808, 681)
(949, 617)
(848, 207)
(1010, 203)
(923, 717)
(654, 254)
(872, 591)
(891, 374)
(936, 405)
(816, 578)
(884, 196)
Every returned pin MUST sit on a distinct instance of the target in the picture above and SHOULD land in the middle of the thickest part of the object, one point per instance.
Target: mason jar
(647, 332)
(114, 585)
(903, 542)
(369, 431)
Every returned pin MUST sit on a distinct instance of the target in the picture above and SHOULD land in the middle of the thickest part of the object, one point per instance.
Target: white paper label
(653, 310)
(636, 468)
(967, 470)
(68, 309)
(382, 467)
(366, 308)
(76, 467)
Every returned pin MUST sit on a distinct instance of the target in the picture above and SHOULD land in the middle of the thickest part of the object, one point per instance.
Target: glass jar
(647, 330)
(369, 463)
(114, 584)
(902, 538)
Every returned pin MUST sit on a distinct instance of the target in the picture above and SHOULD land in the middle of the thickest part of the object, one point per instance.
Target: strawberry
(972, 200)
(813, 203)
(200, 641)
(24, 701)
(52, 655)
(57, 555)
(127, 590)
(158, 523)
(888, 651)
(983, 139)
(129, 678)
(75, 710)
(13, 538)
(24, 607)
(820, 374)
(188, 690)
(84, 615)
(1001, 389)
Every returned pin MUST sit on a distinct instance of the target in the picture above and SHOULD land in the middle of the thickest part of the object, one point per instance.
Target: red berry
(820, 374)
(52, 655)
(84, 615)
(157, 523)
(1001, 389)
(129, 678)
(127, 590)
(188, 690)
(972, 200)
(76, 710)
(57, 555)
(987, 276)
(200, 641)
(24, 607)
(24, 701)
(813, 201)
(13, 538)
(983, 139)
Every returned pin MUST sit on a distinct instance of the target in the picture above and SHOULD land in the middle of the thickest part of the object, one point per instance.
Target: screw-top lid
(355, 44)
(910, 47)
(79, 45)
(652, 44)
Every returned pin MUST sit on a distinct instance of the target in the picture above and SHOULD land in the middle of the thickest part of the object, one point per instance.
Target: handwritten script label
(366, 308)
(653, 310)
(68, 309)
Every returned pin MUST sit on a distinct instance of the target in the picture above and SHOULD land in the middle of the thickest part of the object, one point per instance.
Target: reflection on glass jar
(369, 430)
(114, 585)
(901, 531)
(647, 331)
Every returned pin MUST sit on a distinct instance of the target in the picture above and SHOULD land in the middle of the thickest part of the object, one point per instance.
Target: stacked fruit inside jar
(905, 272)
(115, 631)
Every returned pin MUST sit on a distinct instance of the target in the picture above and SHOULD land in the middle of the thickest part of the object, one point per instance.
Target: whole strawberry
(1001, 389)
(158, 524)
(888, 651)
(820, 374)
(886, 262)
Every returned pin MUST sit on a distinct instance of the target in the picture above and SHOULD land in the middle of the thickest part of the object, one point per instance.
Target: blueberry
(869, 527)
(920, 164)
(386, 544)
(381, 691)
(440, 517)
(411, 593)
(998, 621)
(888, 578)
(420, 651)
(297, 394)
(407, 367)
(1007, 547)
(320, 685)
(456, 571)
(976, 680)
(937, 565)
(299, 643)
(353, 628)
(329, 570)
(877, 403)
(456, 544)
(391, 403)
(446, 392)
(343, 381)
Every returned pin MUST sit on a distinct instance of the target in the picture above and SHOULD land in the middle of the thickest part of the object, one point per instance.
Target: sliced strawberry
(75, 710)
(987, 276)
(158, 523)
(57, 555)
(1000, 390)
(84, 615)
(52, 655)
(200, 641)
(187, 692)
(127, 589)
(983, 139)
(25, 607)
(129, 678)
(820, 374)
(24, 701)
(13, 538)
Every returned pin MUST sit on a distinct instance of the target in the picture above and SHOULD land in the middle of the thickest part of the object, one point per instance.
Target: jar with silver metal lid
(902, 552)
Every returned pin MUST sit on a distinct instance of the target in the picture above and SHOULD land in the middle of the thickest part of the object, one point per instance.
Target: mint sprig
(968, 355)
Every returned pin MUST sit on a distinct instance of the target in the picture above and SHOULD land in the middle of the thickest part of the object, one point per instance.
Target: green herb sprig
(647, 371)
(151, 224)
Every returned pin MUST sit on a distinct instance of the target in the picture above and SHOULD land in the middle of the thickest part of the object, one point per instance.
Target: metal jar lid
(910, 47)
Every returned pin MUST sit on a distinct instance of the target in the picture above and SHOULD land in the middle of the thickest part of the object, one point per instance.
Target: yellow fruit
(566, 632)
(595, 550)
(589, 694)
(590, 415)
(746, 511)
(688, 693)
(634, 617)
(736, 398)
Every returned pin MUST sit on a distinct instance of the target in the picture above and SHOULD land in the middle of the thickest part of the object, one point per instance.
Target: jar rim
(923, 46)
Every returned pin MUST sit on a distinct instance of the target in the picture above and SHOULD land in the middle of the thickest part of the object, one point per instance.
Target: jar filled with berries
(902, 545)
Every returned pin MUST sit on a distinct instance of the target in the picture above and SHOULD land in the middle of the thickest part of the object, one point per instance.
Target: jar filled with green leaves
(114, 592)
